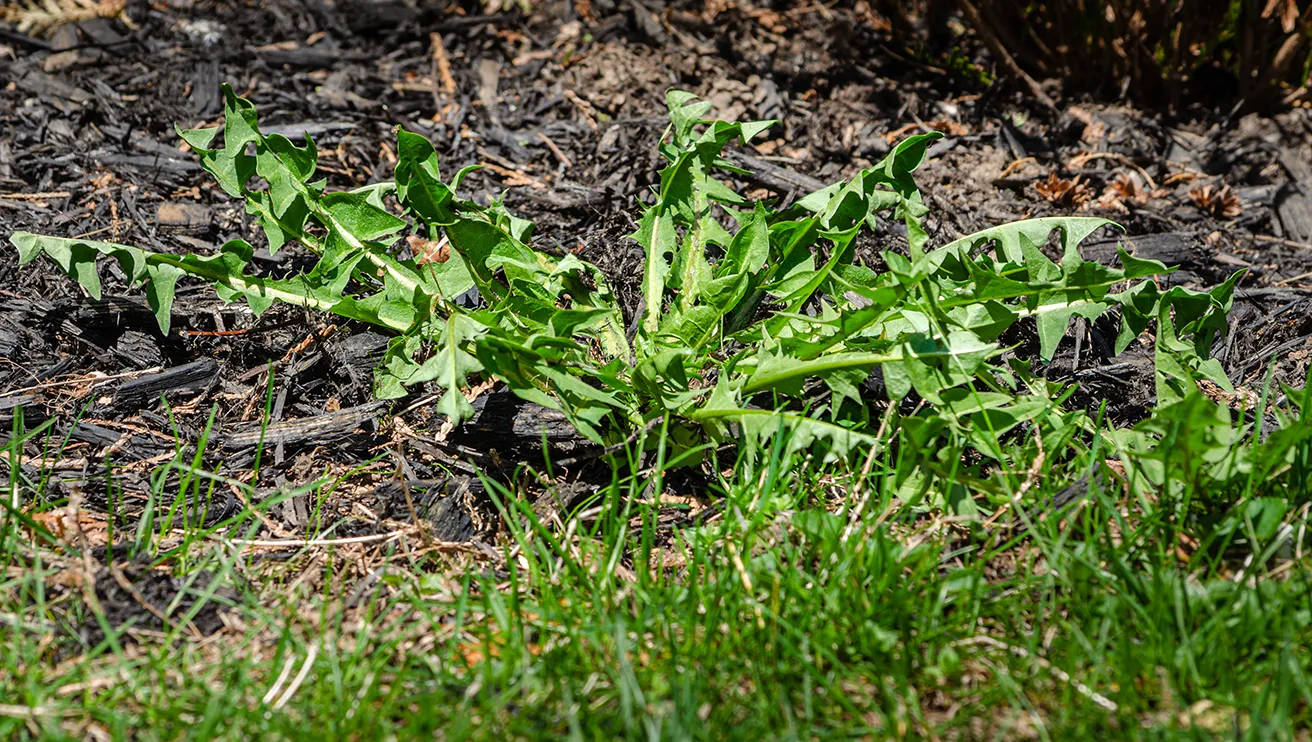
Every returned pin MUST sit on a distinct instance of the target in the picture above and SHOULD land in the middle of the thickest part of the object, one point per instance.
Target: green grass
(791, 600)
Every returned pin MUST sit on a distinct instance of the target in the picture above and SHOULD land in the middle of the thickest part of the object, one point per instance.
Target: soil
(565, 103)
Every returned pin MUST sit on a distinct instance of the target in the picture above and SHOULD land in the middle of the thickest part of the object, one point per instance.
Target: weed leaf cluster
(754, 319)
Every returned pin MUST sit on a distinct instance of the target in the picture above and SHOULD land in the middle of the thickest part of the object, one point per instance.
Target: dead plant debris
(1216, 202)
(1060, 191)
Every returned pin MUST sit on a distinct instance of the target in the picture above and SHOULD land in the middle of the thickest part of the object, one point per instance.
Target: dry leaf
(951, 128)
(428, 251)
(1218, 202)
(62, 527)
(583, 9)
(1109, 201)
(769, 20)
(1093, 132)
(1288, 13)
(1058, 190)
(1081, 115)
(713, 8)
(1128, 187)
(1239, 399)
(47, 15)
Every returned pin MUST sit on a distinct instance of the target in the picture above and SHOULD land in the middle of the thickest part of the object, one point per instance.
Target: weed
(754, 320)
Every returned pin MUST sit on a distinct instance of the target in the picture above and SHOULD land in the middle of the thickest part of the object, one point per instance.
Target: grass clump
(807, 601)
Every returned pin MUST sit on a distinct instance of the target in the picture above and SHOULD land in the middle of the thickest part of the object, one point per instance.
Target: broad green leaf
(1013, 241)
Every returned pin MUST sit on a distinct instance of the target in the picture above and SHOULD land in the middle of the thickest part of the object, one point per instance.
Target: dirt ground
(564, 104)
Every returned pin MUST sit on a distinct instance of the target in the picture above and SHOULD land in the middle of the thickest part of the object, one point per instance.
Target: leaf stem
(760, 381)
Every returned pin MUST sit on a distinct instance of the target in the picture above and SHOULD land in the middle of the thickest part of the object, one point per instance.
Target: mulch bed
(565, 105)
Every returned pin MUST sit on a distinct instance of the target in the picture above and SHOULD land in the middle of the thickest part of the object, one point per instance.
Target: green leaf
(226, 270)
(354, 213)
(786, 374)
(657, 237)
(931, 365)
(758, 426)
(452, 365)
(1016, 240)
(887, 185)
